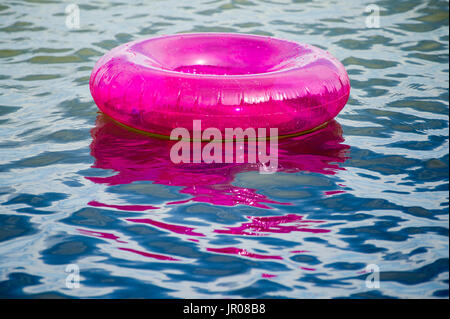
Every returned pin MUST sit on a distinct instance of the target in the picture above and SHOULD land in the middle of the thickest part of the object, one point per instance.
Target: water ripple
(370, 188)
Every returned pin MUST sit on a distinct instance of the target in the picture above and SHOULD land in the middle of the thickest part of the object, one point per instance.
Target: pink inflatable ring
(224, 80)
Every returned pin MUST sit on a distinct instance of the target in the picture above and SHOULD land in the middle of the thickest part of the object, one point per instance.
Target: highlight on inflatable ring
(225, 80)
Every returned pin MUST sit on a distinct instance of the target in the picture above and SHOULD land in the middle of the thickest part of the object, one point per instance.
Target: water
(371, 188)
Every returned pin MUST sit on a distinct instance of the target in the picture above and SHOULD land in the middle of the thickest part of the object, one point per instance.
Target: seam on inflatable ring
(271, 114)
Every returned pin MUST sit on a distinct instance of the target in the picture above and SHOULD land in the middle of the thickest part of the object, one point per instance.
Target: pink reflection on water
(309, 269)
(363, 271)
(116, 238)
(100, 235)
(233, 196)
(138, 208)
(241, 252)
(268, 276)
(171, 227)
(273, 224)
(137, 157)
(333, 192)
(149, 255)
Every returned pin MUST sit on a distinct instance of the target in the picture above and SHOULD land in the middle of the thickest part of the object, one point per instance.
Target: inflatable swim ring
(224, 80)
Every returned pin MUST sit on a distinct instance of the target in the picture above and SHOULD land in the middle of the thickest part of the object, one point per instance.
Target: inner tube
(225, 80)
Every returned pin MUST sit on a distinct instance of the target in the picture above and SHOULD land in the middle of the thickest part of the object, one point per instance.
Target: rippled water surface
(370, 188)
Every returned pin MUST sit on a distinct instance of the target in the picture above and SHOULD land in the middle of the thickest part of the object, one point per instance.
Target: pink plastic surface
(224, 80)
